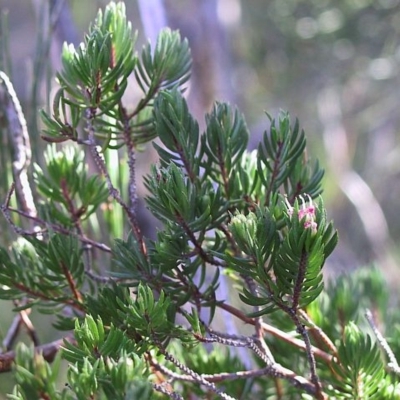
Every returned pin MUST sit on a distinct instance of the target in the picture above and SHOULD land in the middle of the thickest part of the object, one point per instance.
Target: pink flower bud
(306, 213)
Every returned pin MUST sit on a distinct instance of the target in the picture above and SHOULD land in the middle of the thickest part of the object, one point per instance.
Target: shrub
(145, 318)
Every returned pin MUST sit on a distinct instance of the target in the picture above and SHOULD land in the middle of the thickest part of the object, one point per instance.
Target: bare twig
(130, 148)
(318, 332)
(48, 350)
(194, 375)
(20, 319)
(269, 358)
(21, 154)
(225, 339)
(50, 227)
(393, 364)
(302, 330)
(171, 394)
(12, 332)
(275, 370)
(237, 341)
(276, 332)
(112, 190)
(24, 315)
(5, 209)
(20, 143)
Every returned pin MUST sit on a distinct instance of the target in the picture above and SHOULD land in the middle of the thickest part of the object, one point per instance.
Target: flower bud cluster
(306, 213)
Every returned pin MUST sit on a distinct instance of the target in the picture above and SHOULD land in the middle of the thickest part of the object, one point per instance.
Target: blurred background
(333, 64)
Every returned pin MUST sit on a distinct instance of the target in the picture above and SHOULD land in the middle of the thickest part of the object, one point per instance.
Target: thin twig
(5, 209)
(197, 245)
(75, 215)
(195, 376)
(276, 332)
(112, 190)
(275, 370)
(393, 364)
(216, 337)
(302, 330)
(23, 317)
(71, 283)
(164, 390)
(12, 332)
(20, 143)
(130, 147)
(21, 154)
(259, 332)
(318, 332)
(48, 296)
(48, 350)
(50, 227)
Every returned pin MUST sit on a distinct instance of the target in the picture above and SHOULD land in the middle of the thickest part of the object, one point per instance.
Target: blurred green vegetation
(335, 64)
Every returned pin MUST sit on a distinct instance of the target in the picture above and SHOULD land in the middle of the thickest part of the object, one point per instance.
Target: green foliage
(295, 260)
(361, 370)
(72, 194)
(36, 378)
(47, 273)
(147, 314)
(104, 361)
(165, 67)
